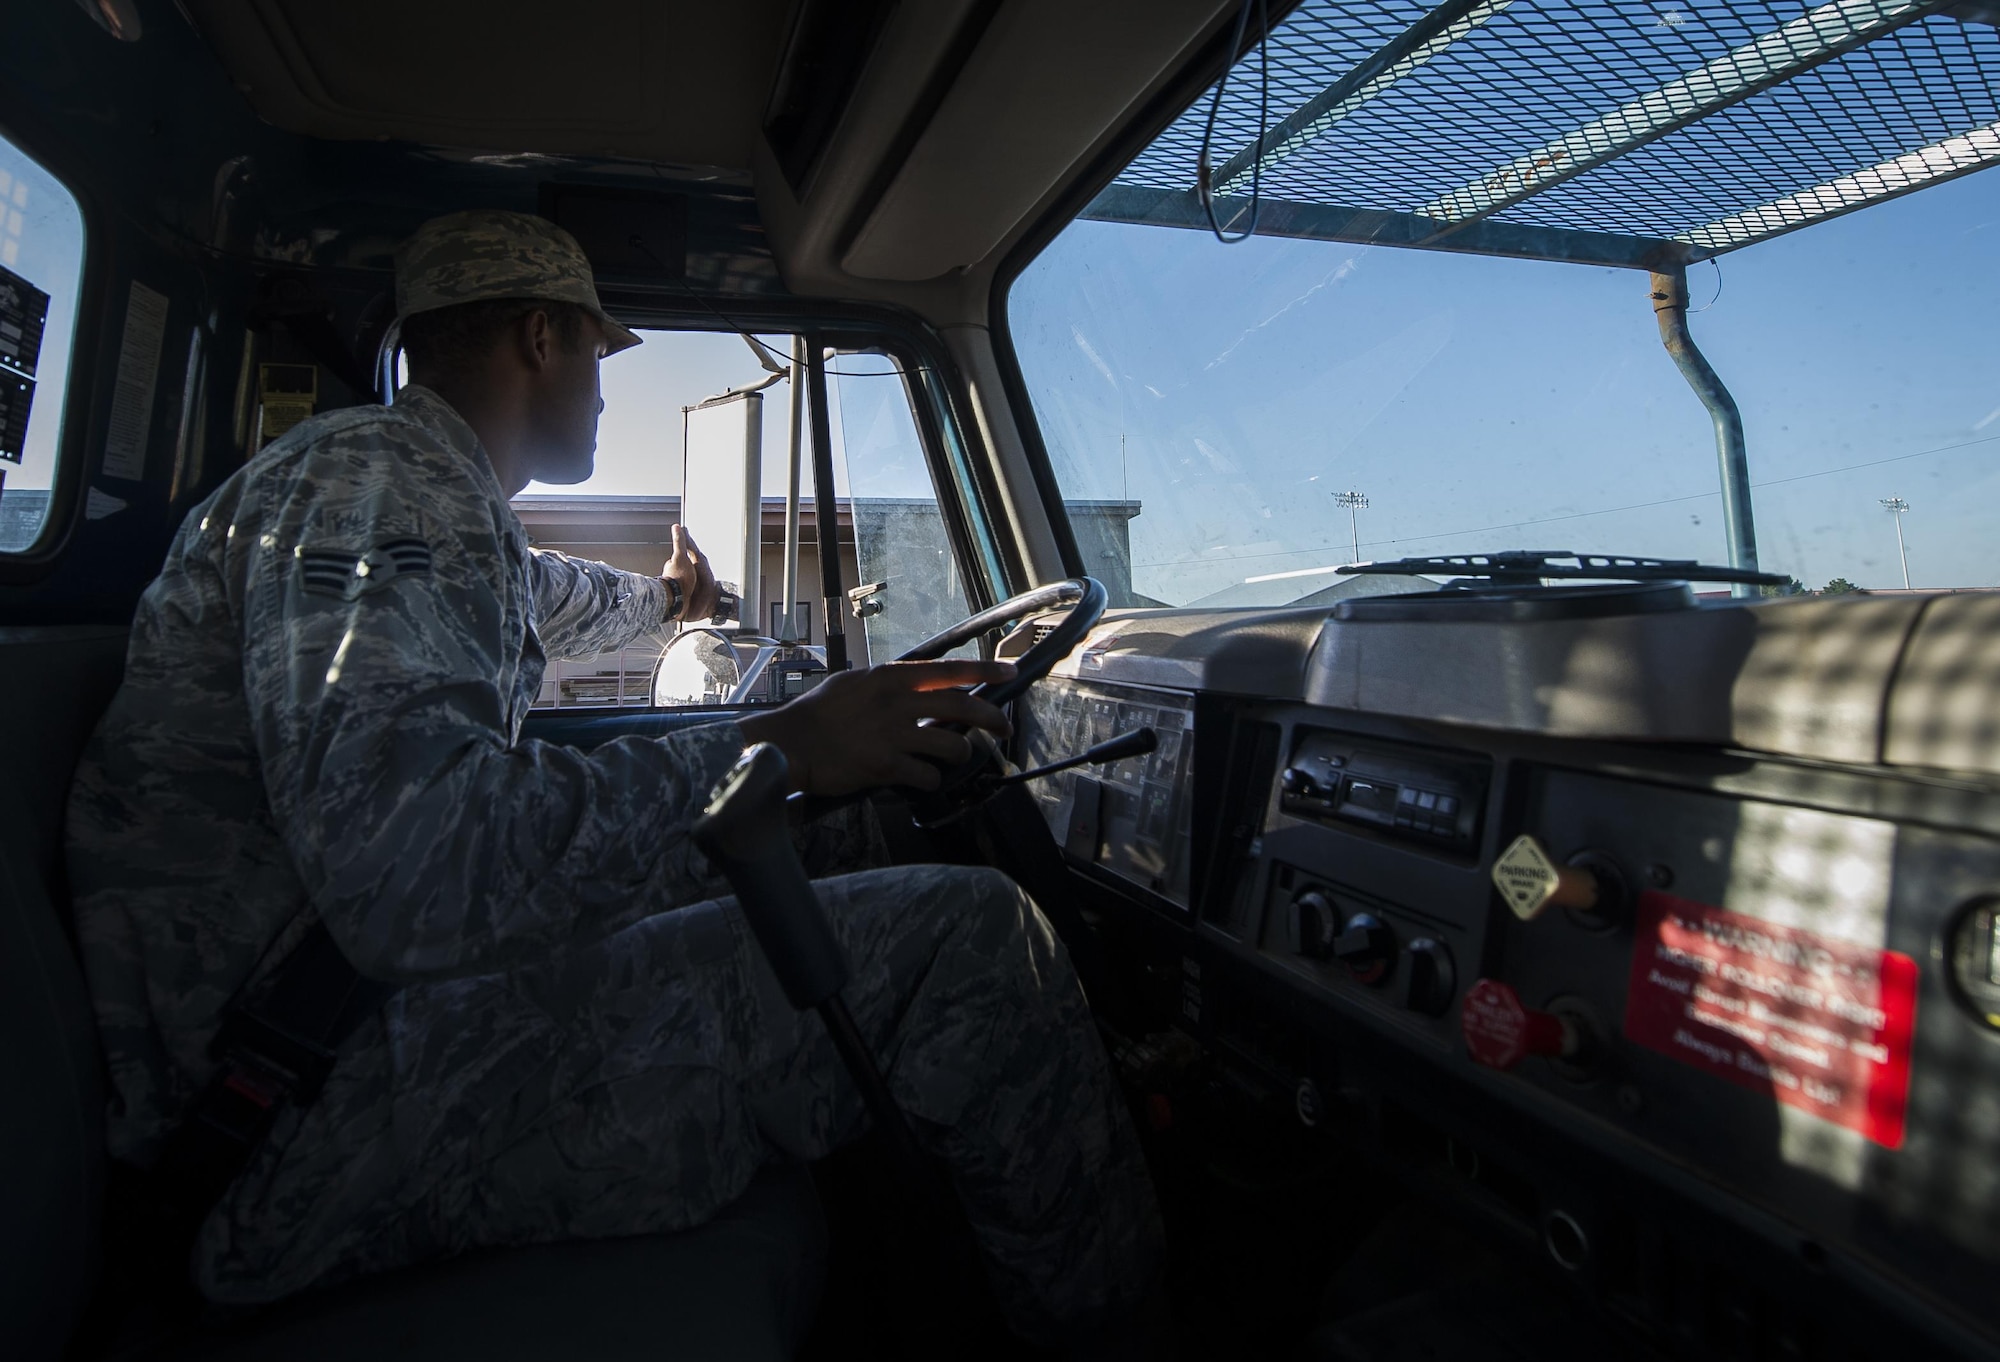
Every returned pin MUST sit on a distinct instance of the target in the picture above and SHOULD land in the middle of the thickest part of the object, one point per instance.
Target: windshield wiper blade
(1531, 567)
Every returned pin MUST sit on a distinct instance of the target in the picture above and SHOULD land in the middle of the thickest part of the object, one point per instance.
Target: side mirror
(722, 491)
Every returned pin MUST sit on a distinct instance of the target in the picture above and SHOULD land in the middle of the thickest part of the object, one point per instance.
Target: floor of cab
(1283, 1244)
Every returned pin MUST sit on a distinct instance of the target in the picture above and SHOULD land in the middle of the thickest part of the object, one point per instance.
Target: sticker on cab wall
(130, 423)
(286, 394)
(1821, 1023)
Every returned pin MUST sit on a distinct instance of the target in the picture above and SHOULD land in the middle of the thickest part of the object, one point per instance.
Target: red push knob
(1500, 1032)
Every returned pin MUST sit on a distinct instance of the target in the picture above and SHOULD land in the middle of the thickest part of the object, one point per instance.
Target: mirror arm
(794, 462)
(826, 514)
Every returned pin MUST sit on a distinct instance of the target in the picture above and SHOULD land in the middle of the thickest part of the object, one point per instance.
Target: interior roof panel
(680, 83)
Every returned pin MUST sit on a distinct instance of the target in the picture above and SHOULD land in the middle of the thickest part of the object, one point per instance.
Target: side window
(41, 275)
(624, 513)
(666, 404)
(900, 541)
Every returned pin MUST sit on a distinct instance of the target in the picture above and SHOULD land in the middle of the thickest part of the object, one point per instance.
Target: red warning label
(1820, 1023)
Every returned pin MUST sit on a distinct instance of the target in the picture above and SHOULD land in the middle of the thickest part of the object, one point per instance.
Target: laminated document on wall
(17, 395)
(24, 312)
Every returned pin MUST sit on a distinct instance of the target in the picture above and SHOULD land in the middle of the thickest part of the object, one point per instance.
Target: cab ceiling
(682, 83)
(969, 117)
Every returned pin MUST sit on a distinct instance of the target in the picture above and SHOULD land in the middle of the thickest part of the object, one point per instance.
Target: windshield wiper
(1531, 567)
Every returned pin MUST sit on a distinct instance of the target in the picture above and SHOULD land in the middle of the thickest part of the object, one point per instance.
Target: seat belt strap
(270, 1056)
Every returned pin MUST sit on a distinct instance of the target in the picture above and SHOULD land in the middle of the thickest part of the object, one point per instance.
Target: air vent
(1042, 631)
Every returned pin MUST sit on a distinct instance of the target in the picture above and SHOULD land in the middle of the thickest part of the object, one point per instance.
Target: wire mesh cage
(1708, 123)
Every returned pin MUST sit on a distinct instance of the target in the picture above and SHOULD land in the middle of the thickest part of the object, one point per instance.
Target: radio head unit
(1433, 799)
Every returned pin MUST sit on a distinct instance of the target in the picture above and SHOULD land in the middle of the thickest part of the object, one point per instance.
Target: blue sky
(1479, 403)
(1485, 404)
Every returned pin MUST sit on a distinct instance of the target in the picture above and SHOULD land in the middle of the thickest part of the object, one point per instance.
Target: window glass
(899, 530)
(41, 274)
(1266, 412)
(659, 411)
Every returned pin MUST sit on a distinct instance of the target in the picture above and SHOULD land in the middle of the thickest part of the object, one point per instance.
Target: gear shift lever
(746, 832)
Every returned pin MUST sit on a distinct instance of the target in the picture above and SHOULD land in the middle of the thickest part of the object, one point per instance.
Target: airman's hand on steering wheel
(860, 730)
(688, 569)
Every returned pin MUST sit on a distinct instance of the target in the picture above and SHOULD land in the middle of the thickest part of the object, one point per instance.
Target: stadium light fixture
(1895, 506)
(1355, 502)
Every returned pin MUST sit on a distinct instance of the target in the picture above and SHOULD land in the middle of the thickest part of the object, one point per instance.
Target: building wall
(900, 541)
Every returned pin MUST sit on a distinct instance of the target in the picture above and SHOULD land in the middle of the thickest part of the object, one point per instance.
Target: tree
(1840, 586)
(1791, 586)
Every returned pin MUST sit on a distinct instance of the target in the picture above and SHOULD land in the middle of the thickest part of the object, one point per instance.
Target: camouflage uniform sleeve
(383, 620)
(584, 608)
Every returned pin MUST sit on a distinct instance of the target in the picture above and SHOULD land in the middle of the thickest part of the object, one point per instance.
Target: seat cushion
(743, 1287)
(746, 1285)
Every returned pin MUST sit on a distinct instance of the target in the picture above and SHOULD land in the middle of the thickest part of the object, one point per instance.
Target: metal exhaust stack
(1670, 305)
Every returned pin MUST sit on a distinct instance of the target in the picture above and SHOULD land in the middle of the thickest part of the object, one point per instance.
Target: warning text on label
(1822, 1024)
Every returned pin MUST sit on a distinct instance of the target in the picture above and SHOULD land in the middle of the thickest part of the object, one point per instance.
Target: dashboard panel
(1760, 989)
(1130, 820)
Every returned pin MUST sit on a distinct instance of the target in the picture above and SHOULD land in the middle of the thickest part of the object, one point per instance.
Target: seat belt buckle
(265, 1063)
(241, 1103)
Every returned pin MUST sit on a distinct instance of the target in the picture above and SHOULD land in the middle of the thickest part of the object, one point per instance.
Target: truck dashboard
(1760, 1123)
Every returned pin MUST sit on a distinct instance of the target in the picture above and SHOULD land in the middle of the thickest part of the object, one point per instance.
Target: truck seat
(744, 1286)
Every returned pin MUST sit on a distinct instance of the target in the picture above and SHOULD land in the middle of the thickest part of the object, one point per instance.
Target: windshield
(1270, 410)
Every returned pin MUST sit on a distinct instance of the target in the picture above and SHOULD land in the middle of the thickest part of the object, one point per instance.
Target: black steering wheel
(967, 784)
(1083, 595)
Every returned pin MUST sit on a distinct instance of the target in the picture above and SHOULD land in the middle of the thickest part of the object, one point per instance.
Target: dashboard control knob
(1529, 879)
(1310, 925)
(1612, 901)
(1500, 1031)
(1367, 947)
(1430, 979)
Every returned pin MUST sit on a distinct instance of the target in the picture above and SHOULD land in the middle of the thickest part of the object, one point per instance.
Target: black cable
(1204, 170)
(1717, 262)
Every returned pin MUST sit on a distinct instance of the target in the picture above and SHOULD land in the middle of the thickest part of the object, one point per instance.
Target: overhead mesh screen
(1577, 116)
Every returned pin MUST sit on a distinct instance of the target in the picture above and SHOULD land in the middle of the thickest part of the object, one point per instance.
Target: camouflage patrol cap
(488, 254)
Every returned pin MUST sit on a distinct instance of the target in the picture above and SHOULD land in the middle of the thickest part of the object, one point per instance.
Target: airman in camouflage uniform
(321, 720)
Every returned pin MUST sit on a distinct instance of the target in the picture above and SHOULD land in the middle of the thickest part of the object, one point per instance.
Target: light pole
(1895, 506)
(1355, 502)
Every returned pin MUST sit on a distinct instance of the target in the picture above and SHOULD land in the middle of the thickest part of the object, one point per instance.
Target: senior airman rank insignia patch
(346, 575)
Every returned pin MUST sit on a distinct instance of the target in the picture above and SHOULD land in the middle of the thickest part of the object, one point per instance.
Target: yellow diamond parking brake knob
(1530, 880)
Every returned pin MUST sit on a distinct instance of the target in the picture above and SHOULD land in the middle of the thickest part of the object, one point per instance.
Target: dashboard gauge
(1973, 948)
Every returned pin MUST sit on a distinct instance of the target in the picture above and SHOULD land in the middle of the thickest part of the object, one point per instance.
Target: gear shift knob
(746, 832)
